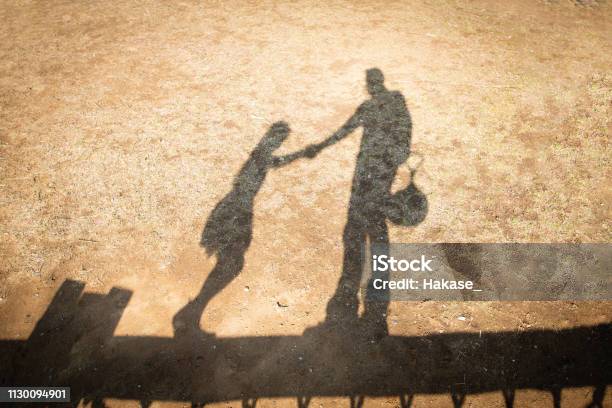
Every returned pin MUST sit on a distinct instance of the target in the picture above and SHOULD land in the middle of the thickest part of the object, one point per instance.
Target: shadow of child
(229, 229)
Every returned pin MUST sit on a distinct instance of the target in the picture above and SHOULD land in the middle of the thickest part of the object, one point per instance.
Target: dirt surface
(123, 125)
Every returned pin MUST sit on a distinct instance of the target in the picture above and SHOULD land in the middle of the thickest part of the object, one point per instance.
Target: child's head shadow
(274, 137)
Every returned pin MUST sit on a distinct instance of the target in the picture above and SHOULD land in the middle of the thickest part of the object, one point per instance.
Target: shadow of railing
(73, 345)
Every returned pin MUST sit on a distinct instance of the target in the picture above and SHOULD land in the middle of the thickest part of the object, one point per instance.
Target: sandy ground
(122, 125)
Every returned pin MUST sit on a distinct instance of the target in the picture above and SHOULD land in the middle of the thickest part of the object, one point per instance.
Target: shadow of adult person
(385, 145)
(229, 229)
